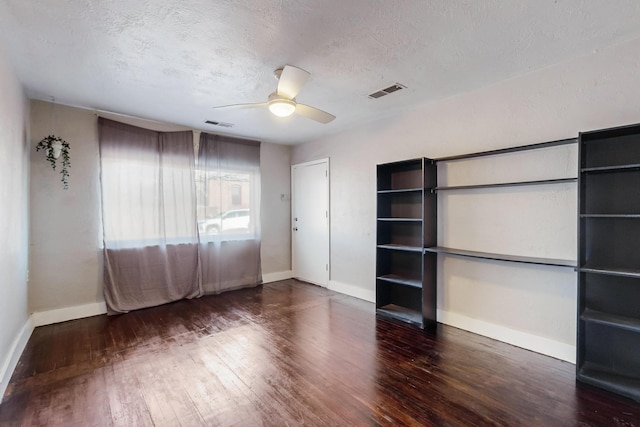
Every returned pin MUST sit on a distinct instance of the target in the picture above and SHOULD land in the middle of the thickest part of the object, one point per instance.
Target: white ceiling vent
(386, 91)
(223, 124)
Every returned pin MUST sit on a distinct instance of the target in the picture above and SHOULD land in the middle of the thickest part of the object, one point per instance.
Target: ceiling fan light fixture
(282, 107)
(282, 102)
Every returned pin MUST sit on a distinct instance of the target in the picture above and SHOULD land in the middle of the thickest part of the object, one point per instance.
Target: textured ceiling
(172, 60)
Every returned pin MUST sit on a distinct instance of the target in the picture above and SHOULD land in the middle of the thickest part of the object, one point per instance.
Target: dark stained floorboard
(289, 354)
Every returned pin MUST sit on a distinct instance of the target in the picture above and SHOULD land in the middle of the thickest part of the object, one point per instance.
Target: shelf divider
(400, 219)
(502, 257)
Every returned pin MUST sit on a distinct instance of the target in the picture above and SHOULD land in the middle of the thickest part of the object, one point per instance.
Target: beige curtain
(228, 197)
(149, 216)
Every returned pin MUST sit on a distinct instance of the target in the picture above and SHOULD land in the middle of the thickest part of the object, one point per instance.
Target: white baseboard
(353, 291)
(68, 313)
(524, 340)
(274, 277)
(12, 357)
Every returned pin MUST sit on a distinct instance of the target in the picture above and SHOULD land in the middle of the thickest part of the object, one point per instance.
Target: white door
(310, 221)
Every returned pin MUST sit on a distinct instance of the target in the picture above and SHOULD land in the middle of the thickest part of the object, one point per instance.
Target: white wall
(14, 187)
(275, 173)
(66, 260)
(531, 306)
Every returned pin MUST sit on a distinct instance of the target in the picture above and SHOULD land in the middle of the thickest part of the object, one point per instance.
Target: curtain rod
(237, 139)
(103, 113)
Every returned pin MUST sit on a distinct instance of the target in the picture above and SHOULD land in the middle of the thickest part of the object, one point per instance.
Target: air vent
(222, 124)
(377, 94)
(386, 91)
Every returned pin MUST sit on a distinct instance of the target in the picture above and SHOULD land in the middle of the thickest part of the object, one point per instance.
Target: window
(172, 229)
(148, 196)
(227, 183)
(236, 194)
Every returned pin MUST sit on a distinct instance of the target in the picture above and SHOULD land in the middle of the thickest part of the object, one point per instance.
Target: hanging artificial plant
(56, 147)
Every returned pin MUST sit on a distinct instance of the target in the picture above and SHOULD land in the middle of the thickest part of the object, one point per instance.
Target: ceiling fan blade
(291, 81)
(236, 106)
(314, 113)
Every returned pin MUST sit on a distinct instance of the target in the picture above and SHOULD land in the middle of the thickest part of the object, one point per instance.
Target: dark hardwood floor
(290, 354)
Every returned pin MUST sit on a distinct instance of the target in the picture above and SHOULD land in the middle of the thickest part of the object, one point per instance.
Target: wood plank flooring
(290, 354)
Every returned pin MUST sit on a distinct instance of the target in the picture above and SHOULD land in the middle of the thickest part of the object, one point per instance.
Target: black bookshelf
(406, 223)
(608, 341)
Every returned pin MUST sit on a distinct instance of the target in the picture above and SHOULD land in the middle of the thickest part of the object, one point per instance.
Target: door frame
(328, 201)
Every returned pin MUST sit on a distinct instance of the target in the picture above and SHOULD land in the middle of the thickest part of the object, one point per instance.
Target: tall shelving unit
(608, 265)
(406, 223)
(609, 257)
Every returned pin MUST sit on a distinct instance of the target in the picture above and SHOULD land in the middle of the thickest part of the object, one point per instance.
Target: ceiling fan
(283, 102)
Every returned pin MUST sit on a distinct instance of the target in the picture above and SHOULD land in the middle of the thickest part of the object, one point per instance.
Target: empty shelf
(396, 247)
(400, 219)
(404, 190)
(593, 374)
(400, 280)
(503, 257)
(617, 168)
(631, 216)
(614, 271)
(509, 150)
(508, 184)
(613, 320)
(401, 313)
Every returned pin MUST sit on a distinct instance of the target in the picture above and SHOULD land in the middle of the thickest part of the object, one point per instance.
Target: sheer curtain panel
(228, 197)
(149, 216)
